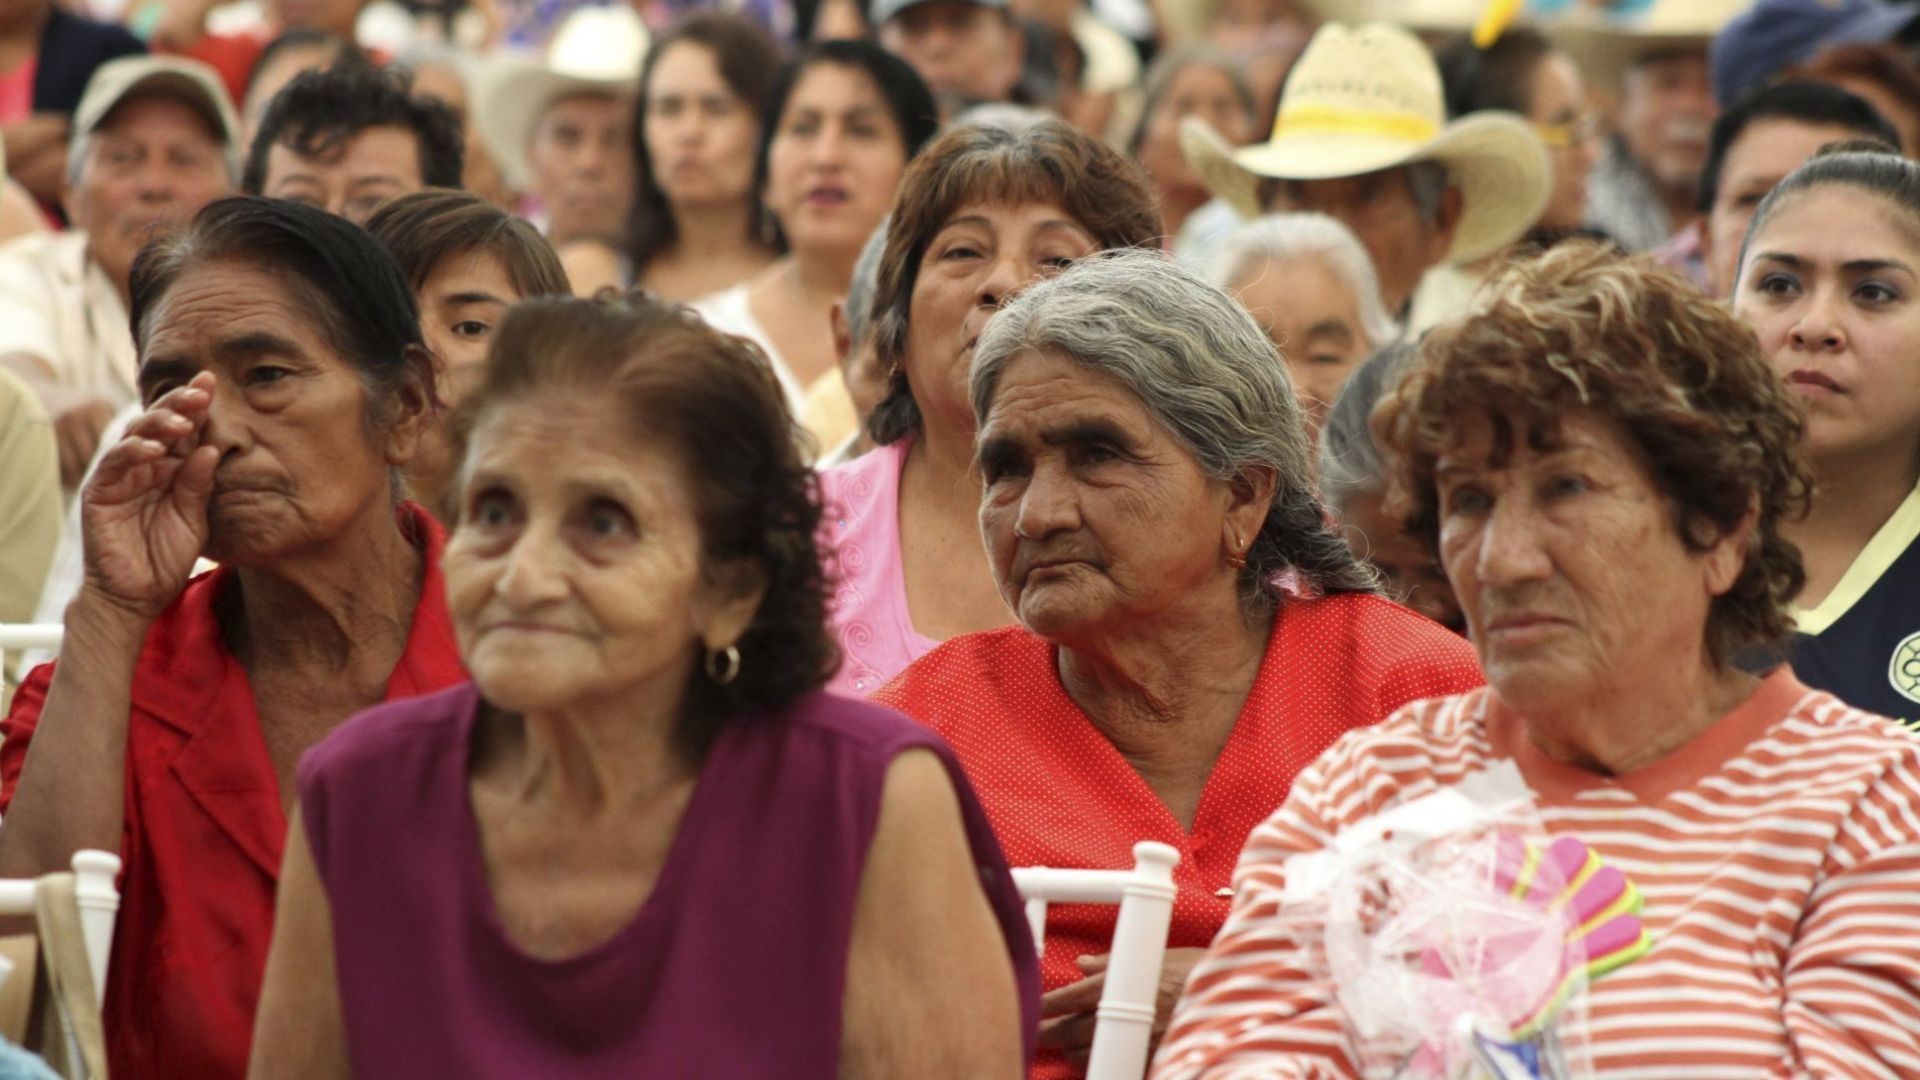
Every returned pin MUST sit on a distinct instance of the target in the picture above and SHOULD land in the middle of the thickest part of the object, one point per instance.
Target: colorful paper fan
(1604, 905)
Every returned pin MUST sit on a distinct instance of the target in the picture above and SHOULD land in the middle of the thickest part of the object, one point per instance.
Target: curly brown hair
(1580, 327)
(1049, 162)
(713, 400)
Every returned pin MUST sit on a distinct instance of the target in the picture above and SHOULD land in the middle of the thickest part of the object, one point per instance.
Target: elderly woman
(1192, 631)
(286, 385)
(1603, 459)
(1190, 81)
(641, 842)
(983, 211)
(1831, 282)
(467, 260)
(1306, 279)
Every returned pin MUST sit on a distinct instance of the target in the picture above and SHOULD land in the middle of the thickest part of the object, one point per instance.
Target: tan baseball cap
(189, 81)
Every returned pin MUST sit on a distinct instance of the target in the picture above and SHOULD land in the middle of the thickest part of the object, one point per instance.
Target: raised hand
(143, 515)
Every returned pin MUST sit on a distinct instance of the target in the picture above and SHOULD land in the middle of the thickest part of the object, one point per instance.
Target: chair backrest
(17, 638)
(1123, 1022)
(58, 902)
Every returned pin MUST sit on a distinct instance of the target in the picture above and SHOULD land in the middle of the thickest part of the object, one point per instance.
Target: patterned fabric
(862, 531)
(1777, 853)
(1060, 794)
(1622, 202)
(1862, 642)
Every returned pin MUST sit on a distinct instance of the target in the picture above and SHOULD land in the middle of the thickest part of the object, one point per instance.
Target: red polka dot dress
(1059, 794)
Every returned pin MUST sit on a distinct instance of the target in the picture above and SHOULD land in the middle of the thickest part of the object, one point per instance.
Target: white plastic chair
(1123, 1025)
(98, 902)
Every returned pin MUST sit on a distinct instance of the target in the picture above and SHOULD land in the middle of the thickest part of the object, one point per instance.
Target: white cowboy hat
(1605, 37)
(1366, 99)
(596, 50)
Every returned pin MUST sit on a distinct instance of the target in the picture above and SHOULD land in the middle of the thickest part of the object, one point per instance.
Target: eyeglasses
(1570, 134)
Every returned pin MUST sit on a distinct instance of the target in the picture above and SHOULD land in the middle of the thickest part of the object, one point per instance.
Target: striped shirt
(1779, 855)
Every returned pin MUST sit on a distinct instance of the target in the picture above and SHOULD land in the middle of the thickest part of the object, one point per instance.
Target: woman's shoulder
(966, 673)
(845, 725)
(854, 485)
(393, 737)
(1373, 637)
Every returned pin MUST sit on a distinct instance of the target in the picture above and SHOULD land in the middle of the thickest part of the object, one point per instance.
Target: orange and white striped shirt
(1778, 852)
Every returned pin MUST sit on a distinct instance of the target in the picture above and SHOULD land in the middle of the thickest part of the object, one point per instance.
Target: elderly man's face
(368, 169)
(582, 158)
(1382, 211)
(1314, 320)
(959, 48)
(299, 462)
(1096, 519)
(153, 164)
(1555, 552)
(1666, 116)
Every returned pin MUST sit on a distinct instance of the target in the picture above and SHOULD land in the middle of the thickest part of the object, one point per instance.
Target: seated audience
(467, 261)
(154, 141)
(641, 826)
(1353, 480)
(1307, 281)
(284, 58)
(1192, 632)
(286, 385)
(845, 119)
(1604, 460)
(238, 56)
(1831, 283)
(350, 137)
(697, 224)
(1193, 81)
(1362, 136)
(48, 55)
(443, 72)
(983, 212)
(1756, 142)
(969, 52)
(29, 501)
(838, 404)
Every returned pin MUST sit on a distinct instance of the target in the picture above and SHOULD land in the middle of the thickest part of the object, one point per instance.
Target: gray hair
(1350, 462)
(866, 273)
(1169, 67)
(1288, 237)
(1207, 372)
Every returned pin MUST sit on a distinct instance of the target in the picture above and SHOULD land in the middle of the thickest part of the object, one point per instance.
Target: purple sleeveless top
(734, 966)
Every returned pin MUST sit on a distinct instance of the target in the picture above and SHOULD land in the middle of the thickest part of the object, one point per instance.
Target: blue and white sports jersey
(1862, 643)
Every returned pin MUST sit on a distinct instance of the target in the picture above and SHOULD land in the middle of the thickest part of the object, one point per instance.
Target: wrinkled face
(1666, 116)
(1561, 115)
(352, 180)
(1554, 553)
(1832, 287)
(979, 259)
(151, 166)
(1096, 519)
(300, 461)
(1314, 320)
(700, 134)
(959, 48)
(1413, 576)
(835, 159)
(1202, 91)
(1762, 156)
(582, 159)
(1381, 210)
(575, 576)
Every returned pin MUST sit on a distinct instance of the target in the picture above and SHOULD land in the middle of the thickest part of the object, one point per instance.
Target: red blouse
(204, 828)
(1059, 794)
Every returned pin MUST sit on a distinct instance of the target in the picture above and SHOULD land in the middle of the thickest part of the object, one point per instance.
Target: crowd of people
(591, 538)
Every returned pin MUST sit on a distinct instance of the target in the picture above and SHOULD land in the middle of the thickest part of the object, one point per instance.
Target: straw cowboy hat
(596, 50)
(1605, 37)
(1366, 99)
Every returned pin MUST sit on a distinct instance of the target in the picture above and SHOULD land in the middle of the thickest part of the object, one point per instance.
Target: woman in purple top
(642, 842)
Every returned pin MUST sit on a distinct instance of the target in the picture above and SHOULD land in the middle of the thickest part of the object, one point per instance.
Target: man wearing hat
(155, 139)
(968, 51)
(1651, 61)
(1362, 135)
(563, 129)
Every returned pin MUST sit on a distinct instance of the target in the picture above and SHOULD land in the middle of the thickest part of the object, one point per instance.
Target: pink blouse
(861, 536)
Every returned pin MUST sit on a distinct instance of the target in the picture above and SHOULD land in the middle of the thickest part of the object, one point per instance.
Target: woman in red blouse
(286, 384)
(1192, 632)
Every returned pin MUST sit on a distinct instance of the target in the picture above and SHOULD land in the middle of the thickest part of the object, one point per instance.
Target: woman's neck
(1852, 499)
(939, 472)
(1642, 717)
(722, 231)
(321, 611)
(607, 753)
(816, 278)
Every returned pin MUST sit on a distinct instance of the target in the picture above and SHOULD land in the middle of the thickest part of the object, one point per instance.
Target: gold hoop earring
(723, 665)
(1236, 558)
